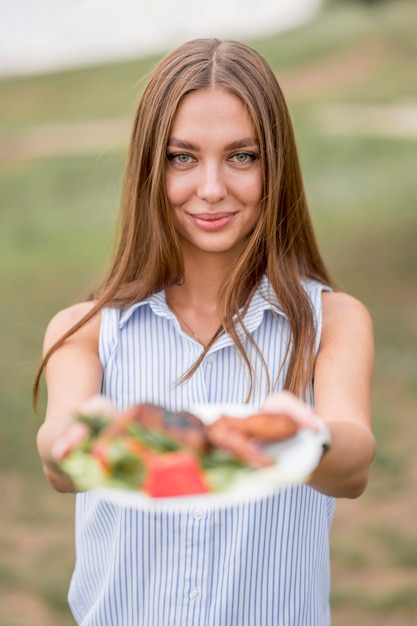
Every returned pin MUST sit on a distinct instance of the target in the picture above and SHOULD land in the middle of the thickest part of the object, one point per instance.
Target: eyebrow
(245, 142)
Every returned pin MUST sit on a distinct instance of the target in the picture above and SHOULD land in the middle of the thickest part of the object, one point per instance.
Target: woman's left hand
(280, 418)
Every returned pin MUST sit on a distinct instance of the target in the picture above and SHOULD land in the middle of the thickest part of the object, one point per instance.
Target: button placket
(195, 574)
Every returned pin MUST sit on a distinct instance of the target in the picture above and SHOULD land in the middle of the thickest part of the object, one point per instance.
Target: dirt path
(394, 120)
(51, 140)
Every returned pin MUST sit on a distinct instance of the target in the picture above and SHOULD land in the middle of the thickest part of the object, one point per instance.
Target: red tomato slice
(175, 474)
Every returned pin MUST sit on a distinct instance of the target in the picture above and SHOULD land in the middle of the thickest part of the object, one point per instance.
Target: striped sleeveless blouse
(250, 563)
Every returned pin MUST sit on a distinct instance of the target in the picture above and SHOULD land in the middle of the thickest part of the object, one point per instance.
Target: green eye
(182, 158)
(244, 157)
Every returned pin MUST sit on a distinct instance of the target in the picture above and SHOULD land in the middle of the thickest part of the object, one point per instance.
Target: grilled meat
(186, 429)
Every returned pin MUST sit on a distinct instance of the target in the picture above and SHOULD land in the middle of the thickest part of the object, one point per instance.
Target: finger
(74, 435)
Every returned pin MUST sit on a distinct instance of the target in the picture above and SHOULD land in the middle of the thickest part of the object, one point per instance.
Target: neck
(203, 276)
(194, 301)
(198, 294)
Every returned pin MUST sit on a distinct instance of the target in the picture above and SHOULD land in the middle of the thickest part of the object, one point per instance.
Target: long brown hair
(148, 257)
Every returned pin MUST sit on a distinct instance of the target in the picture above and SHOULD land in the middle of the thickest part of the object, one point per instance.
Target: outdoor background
(350, 77)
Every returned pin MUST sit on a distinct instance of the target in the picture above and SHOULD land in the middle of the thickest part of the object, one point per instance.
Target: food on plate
(186, 429)
(175, 474)
(164, 454)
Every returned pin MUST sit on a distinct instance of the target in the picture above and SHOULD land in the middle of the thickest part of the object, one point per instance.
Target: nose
(212, 184)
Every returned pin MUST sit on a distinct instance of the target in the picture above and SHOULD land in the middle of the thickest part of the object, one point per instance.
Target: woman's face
(213, 172)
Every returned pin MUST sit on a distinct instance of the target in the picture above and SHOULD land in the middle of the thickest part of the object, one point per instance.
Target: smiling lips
(212, 221)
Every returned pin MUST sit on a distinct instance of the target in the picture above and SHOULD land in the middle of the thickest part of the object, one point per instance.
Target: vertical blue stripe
(262, 563)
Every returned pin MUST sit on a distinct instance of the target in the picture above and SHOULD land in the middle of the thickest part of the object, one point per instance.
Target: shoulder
(338, 305)
(67, 319)
(345, 317)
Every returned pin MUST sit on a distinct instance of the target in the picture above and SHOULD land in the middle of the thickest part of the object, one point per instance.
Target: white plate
(296, 460)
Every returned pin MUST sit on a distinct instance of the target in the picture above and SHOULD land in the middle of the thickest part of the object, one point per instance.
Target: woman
(217, 292)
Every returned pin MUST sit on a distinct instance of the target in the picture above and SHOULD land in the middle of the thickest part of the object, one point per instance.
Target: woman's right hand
(69, 433)
(73, 377)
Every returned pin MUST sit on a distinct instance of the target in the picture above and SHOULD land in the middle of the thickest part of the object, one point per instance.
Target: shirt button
(198, 514)
(194, 594)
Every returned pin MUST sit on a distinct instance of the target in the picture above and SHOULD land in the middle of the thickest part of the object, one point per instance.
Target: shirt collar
(157, 302)
(263, 299)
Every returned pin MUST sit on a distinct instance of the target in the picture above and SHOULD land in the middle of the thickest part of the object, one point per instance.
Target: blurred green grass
(58, 215)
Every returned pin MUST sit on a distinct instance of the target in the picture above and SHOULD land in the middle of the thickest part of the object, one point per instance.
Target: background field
(350, 80)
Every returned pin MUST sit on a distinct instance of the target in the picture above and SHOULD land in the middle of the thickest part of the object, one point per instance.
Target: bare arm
(73, 375)
(342, 385)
